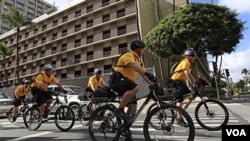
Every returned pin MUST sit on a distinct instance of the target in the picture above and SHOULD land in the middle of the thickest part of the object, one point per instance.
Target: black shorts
(18, 101)
(122, 85)
(183, 89)
(40, 95)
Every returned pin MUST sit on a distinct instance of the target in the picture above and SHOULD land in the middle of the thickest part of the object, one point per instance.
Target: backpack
(172, 70)
(37, 75)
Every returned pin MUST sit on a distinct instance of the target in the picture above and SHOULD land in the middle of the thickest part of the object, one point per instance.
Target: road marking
(38, 134)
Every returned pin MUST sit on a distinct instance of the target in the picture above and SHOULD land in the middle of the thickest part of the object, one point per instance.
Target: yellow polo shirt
(185, 64)
(21, 91)
(44, 80)
(94, 81)
(124, 60)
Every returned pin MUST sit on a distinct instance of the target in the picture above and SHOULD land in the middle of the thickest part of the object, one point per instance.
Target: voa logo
(236, 132)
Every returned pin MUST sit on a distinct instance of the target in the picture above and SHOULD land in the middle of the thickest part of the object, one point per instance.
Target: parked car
(5, 104)
(71, 98)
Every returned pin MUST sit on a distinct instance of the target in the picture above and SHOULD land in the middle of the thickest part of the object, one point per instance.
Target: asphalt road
(239, 115)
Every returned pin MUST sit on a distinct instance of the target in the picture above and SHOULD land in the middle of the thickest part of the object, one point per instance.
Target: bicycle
(63, 115)
(20, 111)
(211, 107)
(85, 112)
(111, 127)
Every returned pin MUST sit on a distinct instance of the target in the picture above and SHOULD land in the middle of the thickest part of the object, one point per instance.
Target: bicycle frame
(56, 101)
(150, 96)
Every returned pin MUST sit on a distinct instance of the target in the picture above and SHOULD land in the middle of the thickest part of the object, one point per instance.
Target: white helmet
(190, 52)
(48, 67)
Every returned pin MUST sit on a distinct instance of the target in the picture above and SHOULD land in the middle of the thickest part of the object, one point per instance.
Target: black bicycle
(20, 111)
(111, 127)
(64, 116)
(85, 112)
(210, 114)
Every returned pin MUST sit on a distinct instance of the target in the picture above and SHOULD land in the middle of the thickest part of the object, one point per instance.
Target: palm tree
(4, 52)
(245, 71)
(16, 20)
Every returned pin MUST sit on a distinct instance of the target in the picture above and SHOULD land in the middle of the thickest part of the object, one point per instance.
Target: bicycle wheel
(84, 115)
(169, 130)
(214, 120)
(32, 118)
(10, 115)
(64, 118)
(168, 116)
(103, 124)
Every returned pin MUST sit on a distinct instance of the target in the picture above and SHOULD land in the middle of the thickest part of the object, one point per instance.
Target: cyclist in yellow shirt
(40, 90)
(182, 75)
(123, 79)
(94, 84)
(20, 94)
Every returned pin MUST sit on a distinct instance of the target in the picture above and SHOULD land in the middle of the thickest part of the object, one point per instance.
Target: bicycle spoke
(167, 127)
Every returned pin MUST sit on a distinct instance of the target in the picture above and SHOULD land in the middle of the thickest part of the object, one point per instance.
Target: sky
(236, 61)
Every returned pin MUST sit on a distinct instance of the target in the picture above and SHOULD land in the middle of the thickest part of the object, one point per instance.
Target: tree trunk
(17, 57)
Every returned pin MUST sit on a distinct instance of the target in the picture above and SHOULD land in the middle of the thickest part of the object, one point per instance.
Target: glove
(150, 76)
(65, 91)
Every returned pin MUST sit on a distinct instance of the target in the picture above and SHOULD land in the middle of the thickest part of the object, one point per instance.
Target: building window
(106, 34)
(24, 72)
(26, 34)
(64, 46)
(33, 69)
(105, 18)
(123, 48)
(55, 22)
(64, 32)
(77, 58)
(63, 75)
(90, 55)
(121, 30)
(107, 68)
(89, 8)
(90, 23)
(34, 56)
(12, 41)
(77, 27)
(44, 27)
(25, 47)
(90, 71)
(35, 43)
(77, 42)
(77, 13)
(53, 50)
(43, 40)
(77, 73)
(65, 18)
(53, 63)
(42, 53)
(20, 37)
(106, 51)
(24, 59)
(63, 62)
(120, 13)
(41, 67)
(9, 64)
(105, 3)
(54, 36)
(90, 39)
(35, 31)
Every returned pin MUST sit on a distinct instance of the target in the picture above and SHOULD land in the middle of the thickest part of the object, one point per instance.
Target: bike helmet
(27, 82)
(98, 71)
(48, 67)
(137, 44)
(190, 52)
